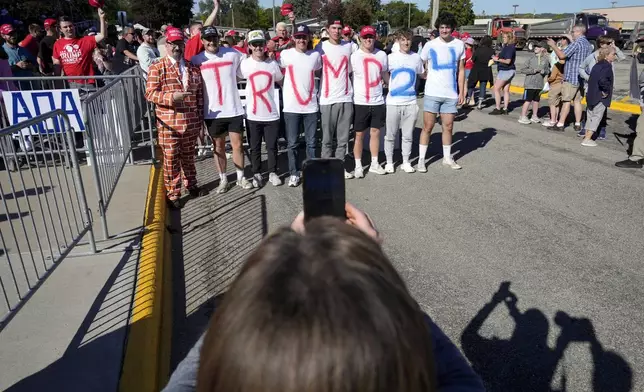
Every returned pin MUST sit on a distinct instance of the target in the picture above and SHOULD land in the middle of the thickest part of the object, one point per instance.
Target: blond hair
(510, 36)
(604, 52)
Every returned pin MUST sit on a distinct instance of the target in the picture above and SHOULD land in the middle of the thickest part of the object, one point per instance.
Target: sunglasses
(368, 37)
(259, 44)
(306, 37)
(211, 38)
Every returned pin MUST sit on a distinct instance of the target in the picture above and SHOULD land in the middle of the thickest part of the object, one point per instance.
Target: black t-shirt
(120, 61)
(415, 41)
(45, 53)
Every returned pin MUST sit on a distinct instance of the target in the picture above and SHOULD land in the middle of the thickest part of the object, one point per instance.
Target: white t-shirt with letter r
(260, 88)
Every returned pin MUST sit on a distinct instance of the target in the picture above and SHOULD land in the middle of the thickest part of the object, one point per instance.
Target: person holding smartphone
(369, 70)
(262, 112)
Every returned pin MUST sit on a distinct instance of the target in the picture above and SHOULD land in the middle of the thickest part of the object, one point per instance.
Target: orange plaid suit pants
(178, 160)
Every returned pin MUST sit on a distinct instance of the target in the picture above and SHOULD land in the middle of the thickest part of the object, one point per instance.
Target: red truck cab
(502, 25)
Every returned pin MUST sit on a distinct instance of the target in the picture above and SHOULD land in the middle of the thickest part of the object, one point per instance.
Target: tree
(157, 12)
(397, 13)
(357, 14)
(461, 9)
(331, 8)
(302, 8)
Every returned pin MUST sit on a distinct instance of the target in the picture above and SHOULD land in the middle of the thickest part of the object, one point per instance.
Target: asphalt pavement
(558, 222)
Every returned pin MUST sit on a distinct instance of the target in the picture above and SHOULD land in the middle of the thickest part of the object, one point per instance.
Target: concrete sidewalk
(70, 334)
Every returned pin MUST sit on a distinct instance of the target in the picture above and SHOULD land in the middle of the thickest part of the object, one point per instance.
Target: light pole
(409, 17)
(515, 8)
(273, 15)
(435, 6)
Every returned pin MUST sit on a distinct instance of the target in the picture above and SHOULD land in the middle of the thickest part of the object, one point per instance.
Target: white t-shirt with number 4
(442, 67)
(367, 77)
(404, 69)
(299, 92)
(260, 88)
(335, 84)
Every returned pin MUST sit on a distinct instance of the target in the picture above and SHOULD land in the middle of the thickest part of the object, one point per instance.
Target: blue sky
(505, 6)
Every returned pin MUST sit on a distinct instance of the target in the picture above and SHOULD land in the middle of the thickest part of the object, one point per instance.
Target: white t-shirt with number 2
(299, 92)
(367, 77)
(404, 69)
(260, 88)
(442, 67)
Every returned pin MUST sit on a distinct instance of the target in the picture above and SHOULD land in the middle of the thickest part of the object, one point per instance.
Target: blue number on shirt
(451, 65)
(406, 90)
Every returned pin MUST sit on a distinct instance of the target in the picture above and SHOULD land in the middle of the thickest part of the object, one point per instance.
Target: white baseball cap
(256, 36)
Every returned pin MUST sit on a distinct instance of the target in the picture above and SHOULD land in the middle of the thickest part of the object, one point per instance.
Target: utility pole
(232, 9)
(409, 17)
(435, 6)
(273, 16)
(515, 8)
(613, 3)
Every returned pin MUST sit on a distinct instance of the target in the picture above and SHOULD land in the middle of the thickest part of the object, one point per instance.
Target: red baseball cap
(465, 35)
(456, 34)
(173, 34)
(286, 9)
(6, 29)
(346, 30)
(50, 22)
(367, 30)
(97, 3)
(231, 33)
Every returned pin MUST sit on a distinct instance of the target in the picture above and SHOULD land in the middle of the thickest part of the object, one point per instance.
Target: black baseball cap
(209, 31)
(335, 20)
(301, 30)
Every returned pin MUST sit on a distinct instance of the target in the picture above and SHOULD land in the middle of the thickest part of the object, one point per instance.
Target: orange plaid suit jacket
(164, 79)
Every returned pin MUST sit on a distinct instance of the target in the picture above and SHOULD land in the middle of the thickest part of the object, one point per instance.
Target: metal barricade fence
(44, 210)
(115, 116)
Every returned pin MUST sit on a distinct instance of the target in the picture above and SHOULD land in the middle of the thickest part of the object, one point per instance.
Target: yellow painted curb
(146, 360)
(615, 105)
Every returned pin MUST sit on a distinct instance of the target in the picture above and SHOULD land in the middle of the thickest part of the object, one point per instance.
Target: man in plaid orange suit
(176, 87)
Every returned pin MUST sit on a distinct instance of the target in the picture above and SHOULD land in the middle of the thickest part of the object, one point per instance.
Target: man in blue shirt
(572, 90)
(20, 59)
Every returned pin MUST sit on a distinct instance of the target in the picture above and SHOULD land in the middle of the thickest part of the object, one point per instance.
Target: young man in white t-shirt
(262, 112)
(369, 70)
(336, 91)
(404, 67)
(223, 111)
(444, 59)
(300, 97)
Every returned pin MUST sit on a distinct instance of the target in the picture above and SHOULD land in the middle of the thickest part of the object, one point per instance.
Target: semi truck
(635, 38)
(596, 26)
(494, 28)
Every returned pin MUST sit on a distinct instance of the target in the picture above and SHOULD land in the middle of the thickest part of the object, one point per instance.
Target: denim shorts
(507, 74)
(440, 105)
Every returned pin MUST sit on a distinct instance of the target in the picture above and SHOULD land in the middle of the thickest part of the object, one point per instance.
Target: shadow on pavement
(525, 361)
(211, 238)
(92, 360)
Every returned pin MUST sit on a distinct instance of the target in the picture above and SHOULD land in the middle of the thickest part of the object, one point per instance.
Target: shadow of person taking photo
(525, 361)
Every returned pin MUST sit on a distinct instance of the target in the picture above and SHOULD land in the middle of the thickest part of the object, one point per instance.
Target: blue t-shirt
(508, 52)
(17, 55)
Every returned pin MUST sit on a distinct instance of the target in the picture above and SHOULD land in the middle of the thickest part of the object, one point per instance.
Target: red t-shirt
(193, 47)
(75, 56)
(469, 64)
(31, 44)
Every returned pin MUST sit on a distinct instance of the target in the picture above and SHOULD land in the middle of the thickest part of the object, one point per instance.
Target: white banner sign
(25, 105)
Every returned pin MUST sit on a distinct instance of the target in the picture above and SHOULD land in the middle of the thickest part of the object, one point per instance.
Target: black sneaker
(174, 204)
(505, 111)
(628, 164)
(197, 192)
(556, 128)
(496, 112)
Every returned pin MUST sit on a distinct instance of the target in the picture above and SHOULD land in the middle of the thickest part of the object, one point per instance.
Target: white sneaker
(359, 172)
(274, 179)
(421, 166)
(524, 120)
(451, 164)
(389, 168)
(535, 120)
(589, 143)
(407, 167)
(377, 169)
(347, 175)
(244, 184)
(223, 187)
(548, 123)
(293, 181)
(258, 181)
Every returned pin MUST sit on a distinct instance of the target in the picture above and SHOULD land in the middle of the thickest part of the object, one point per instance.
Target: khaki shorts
(555, 94)
(571, 93)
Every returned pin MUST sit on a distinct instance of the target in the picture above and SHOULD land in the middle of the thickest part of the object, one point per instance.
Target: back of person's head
(34, 29)
(486, 42)
(321, 311)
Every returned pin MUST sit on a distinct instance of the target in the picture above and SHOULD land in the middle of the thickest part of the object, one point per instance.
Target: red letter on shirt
(336, 73)
(297, 95)
(260, 93)
(215, 67)
(367, 83)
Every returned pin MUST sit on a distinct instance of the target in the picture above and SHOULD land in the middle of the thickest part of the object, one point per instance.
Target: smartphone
(323, 188)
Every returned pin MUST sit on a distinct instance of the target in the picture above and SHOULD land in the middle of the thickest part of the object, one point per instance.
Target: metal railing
(116, 116)
(44, 210)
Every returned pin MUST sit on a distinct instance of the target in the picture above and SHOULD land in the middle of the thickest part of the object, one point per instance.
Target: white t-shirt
(404, 68)
(260, 88)
(367, 76)
(442, 67)
(219, 72)
(299, 92)
(335, 85)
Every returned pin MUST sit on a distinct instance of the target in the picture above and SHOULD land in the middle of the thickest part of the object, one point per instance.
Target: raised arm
(103, 26)
(210, 20)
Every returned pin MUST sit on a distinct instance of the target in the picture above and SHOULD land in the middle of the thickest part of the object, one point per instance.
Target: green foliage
(398, 12)
(302, 8)
(357, 14)
(154, 13)
(461, 9)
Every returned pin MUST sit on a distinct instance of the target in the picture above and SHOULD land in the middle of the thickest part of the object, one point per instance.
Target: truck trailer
(596, 26)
